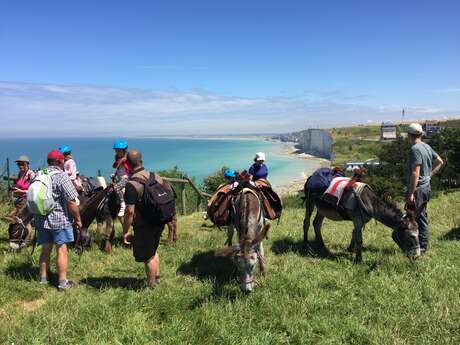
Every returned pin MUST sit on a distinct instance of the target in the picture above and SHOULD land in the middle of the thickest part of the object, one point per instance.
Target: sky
(119, 68)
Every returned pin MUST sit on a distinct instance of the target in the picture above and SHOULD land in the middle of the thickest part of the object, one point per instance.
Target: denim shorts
(60, 236)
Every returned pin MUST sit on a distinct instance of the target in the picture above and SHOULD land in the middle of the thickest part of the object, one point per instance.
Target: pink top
(70, 167)
(23, 181)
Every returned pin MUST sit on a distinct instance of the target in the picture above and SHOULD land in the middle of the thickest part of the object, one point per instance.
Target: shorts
(145, 242)
(121, 213)
(58, 237)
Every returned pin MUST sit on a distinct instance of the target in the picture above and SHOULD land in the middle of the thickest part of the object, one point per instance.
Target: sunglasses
(20, 164)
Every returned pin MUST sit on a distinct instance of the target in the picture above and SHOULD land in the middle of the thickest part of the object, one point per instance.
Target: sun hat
(260, 156)
(23, 158)
(415, 128)
(55, 154)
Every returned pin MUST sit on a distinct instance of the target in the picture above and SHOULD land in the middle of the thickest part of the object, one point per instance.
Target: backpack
(321, 179)
(40, 199)
(220, 205)
(157, 204)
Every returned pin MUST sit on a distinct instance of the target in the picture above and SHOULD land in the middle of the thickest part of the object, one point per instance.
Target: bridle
(22, 230)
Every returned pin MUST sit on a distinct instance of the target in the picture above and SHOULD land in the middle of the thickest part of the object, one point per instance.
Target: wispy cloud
(54, 110)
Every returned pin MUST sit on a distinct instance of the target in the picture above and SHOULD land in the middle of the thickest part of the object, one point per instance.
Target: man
(146, 236)
(56, 227)
(424, 163)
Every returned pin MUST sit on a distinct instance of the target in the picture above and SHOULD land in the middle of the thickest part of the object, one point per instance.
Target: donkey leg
(357, 238)
(230, 231)
(317, 224)
(306, 221)
(109, 234)
(261, 260)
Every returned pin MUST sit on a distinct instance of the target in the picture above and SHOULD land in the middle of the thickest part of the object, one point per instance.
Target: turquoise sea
(197, 157)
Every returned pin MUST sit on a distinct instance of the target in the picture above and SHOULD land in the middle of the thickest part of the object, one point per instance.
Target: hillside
(305, 299)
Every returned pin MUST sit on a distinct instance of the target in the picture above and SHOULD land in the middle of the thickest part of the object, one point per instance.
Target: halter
(23, 229)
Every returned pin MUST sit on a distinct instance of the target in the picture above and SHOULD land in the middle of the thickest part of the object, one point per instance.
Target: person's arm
(436, 166)
(413, 183)
(127, 221)
(70, 195)
(75, 212)
(130, 200)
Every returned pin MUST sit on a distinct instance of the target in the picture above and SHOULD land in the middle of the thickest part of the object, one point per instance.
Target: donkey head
(406, 235)
(246, 255)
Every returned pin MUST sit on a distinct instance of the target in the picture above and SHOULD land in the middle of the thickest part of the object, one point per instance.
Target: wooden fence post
(183, 197)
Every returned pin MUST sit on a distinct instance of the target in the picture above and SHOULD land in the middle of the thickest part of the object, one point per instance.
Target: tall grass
(307, 298)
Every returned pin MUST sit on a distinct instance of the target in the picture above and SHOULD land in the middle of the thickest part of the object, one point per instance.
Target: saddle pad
(337, 187)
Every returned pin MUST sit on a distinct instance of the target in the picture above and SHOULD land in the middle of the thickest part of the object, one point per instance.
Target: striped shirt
(63, 191)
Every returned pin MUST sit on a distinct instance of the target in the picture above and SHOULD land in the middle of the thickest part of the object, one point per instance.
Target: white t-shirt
(70, 167)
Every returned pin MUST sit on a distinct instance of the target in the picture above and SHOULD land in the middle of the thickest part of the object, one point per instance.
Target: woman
(25, 177)
(258, 170)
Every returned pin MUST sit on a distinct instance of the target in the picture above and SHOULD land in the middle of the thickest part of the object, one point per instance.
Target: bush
(212, 182)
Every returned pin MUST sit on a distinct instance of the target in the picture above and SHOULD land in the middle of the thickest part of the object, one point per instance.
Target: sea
(197, 157)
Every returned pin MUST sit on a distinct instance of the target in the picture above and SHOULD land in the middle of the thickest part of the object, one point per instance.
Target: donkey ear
(411, 215)
(262, 234)
(225, 251)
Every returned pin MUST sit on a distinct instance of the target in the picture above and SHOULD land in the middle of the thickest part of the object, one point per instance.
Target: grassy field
(305, 299)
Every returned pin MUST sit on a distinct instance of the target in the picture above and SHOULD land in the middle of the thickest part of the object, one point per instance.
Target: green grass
(305, 299)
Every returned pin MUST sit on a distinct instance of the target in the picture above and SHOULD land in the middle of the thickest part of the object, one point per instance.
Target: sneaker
(43, 281)
(68, 285)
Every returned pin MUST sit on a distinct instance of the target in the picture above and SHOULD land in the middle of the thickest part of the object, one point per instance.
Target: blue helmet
(120, 144)
(65, 149)
(230, 173)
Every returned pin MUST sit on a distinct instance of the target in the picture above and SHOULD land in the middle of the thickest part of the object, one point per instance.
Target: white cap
(415, 128)
(260, 156)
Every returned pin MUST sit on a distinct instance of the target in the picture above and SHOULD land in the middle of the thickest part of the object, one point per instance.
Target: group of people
(56, 228)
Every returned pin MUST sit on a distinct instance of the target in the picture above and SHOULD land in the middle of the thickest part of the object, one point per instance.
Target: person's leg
(62, 261)
(61, 238)
(44, 262)
(422, 198)
(152, 269)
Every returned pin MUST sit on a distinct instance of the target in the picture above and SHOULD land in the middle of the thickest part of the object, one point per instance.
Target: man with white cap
(424, 163)
(258, 170)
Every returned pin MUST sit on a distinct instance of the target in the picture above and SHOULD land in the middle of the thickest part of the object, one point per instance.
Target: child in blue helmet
(121, 174)
(70, 167)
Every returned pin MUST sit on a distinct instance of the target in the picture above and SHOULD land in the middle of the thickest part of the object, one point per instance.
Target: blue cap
(65, 149)
(230, 173)
(120, 144)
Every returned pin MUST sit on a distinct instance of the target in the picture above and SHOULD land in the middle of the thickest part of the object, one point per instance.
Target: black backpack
(157, 204)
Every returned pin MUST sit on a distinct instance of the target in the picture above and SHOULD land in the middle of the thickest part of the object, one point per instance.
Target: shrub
(212, 182)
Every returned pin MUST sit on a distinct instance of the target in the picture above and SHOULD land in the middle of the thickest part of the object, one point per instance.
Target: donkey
(362, 208)
(248, 219)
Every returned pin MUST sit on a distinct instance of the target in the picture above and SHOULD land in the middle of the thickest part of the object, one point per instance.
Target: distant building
(430, 128)
(352, 165)
(388, 131)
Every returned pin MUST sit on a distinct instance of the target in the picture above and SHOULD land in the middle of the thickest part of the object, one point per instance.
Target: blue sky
(202, 67)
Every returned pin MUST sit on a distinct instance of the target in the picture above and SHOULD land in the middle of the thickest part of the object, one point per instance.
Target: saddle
(220, 204)
(343, 194)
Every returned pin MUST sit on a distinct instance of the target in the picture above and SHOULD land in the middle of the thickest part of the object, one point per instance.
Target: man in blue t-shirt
(424, 163)
(258, 170)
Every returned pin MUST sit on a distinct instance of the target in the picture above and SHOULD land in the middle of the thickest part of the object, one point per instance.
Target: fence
(182, 182)
(201, 196)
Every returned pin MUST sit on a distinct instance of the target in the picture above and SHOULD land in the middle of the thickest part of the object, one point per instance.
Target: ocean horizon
(197, 157)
